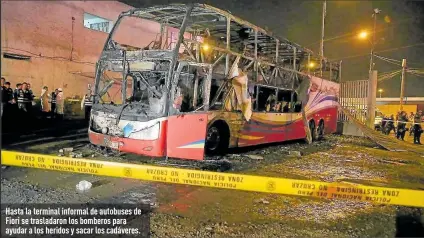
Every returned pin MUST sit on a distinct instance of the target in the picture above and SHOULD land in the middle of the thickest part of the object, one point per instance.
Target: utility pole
(324, 13)
(374, 15)
(372, 80)
(402, 84)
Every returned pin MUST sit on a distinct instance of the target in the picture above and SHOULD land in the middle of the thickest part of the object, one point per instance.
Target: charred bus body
(206, 89)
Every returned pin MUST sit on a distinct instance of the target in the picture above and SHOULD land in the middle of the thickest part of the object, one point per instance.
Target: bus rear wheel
(320, 130)
(313, 130)
(217, 138)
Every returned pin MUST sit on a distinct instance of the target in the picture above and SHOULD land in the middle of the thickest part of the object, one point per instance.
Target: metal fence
(353, 97)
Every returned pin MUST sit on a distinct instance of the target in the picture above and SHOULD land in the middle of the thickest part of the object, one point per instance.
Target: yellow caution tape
(355, 192)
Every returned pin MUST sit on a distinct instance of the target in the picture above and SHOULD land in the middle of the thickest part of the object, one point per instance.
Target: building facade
(390, 106)
(57, 43)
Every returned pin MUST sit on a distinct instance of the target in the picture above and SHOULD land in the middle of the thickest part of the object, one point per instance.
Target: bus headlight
(147, 133)
(105, 130)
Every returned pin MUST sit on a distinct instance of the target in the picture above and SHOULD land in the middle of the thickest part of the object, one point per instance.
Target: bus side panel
(296, 127)
(186, 135)
(322, 103)
(265, 128)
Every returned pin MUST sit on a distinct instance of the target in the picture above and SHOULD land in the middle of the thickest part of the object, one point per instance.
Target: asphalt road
(205, 212)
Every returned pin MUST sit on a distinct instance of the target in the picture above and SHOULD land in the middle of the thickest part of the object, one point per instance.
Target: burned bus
(207, 82)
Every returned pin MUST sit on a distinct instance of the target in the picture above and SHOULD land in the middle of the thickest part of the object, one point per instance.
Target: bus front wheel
(217, 139)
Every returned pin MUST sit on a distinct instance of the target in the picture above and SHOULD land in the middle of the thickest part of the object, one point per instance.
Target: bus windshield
(133, 67)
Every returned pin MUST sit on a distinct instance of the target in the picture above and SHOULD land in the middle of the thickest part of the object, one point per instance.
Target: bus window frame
(206, 84)
(278, 89)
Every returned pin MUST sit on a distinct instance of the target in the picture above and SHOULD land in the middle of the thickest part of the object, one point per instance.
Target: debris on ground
(83, 185)
(353, 160)
(295, 154)
(67, 152)
(324, 212)
(255, 157)
(261, 200)
(75, 155)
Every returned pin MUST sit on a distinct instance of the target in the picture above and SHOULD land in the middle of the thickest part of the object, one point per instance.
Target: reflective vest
(24, 96)
(53, 98)
(417, 118)
(88, 101)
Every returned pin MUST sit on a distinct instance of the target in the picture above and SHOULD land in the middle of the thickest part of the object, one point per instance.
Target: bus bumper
(154, 148)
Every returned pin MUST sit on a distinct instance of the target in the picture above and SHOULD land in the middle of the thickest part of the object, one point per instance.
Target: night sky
(400, 24)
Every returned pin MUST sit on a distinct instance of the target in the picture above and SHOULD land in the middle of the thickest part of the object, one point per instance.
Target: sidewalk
(39, 129)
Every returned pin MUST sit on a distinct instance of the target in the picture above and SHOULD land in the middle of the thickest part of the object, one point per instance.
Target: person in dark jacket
(8, 103)
(3, 95)
(418, 130)
(389, 125)
(9, 92)
(401, 127)
(31, 100)
(53, 103)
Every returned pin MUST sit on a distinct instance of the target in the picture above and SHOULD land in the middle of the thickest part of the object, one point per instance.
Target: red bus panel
(186, 135)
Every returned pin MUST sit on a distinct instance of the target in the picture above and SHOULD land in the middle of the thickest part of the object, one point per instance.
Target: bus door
(187, 125)
(295, 128)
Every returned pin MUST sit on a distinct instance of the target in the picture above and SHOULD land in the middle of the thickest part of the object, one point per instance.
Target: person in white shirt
(60, 103)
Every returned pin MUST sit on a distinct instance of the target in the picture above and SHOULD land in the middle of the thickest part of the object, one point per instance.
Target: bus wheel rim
(213, 138)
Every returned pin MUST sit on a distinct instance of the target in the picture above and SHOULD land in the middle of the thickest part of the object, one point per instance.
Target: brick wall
(44, 28)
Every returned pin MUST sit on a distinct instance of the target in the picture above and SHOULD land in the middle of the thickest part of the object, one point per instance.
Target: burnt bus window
(185, 88)
(284, 97)
(253, 92)
(296, 104)
(266, 99)
(214, 90)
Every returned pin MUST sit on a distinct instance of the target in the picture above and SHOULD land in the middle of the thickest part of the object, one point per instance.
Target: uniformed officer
(53, 103)
(87, 103)
(417, 128)
(30, 90)
(24, 98)
(401, 128)
(15, 92)
(31, 98)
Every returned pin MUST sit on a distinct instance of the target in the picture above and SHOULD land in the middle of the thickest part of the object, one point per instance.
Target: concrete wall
(43, 30)
(349, 129)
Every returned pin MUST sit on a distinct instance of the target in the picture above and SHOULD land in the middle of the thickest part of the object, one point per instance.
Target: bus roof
(204, 17)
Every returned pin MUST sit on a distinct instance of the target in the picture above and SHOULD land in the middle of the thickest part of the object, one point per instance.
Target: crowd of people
(19, 103)
(404, 123)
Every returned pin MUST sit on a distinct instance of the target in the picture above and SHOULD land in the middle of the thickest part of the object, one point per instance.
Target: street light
(380, 91)
(205, 47)
(363, 35)
(311, 65)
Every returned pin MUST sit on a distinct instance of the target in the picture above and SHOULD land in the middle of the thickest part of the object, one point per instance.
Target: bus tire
(217, 138)
(320, 130)
(313, 130)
